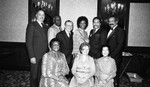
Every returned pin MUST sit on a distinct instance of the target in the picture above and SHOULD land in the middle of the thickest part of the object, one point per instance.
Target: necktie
(69, 34)
(94, 30)
(42, 24)
(111, 29)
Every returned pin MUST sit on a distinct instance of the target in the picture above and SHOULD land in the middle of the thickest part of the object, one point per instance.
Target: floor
(13, 78)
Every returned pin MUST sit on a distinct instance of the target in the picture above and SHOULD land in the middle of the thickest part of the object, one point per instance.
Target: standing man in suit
(96, 38)
(55, 28)
(66, 42)
(37, 46)
(115, 40)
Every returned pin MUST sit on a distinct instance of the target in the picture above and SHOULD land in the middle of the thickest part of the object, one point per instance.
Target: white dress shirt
(110, 31)
(68, 33)
(40, 23)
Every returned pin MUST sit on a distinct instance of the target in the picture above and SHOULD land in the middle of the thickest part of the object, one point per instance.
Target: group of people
(66, 58)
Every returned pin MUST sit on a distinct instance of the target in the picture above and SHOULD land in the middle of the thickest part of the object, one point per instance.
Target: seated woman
(105, 69)
(83, 68)
(54, 67)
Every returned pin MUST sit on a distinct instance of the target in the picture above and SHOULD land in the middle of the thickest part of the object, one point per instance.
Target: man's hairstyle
(82, 18)
(40, 10)
(116, 18)
(68, 21)
(98, 19)
(55, 17)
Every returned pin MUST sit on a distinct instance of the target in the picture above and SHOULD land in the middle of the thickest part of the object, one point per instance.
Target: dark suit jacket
(116, 41)
(96, 41)
(66, 45)
(36, 40)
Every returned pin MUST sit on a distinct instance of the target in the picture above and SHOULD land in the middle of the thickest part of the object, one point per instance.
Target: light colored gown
(54, 64)
(79, 37)
(84, 70)
(105, 69)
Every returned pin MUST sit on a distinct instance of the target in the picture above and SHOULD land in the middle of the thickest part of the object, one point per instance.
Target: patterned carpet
(10, 78)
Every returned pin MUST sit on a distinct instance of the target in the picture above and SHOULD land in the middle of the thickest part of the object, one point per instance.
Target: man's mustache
(111, 24)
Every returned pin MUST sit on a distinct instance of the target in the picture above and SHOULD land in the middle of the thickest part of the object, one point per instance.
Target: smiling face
(55, 46)
(40, 16)
(57, 20)
(85, 50)
(105, 51)
(82, 24)
(69, 26)
(112, 22)
(96, 23)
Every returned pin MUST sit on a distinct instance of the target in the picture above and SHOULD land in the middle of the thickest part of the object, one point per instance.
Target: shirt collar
(96, 30)
(40, 23)
(115, 27)
(56, 26)
(67, 32)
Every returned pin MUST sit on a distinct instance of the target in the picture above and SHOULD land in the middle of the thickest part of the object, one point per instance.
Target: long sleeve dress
(79, 37)
(105, 72)
(54, 65)
(83, 72)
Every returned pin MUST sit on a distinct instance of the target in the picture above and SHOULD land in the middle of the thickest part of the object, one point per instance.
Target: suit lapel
(41, 30)
(93, 34)
(65, 36)
(112, 33)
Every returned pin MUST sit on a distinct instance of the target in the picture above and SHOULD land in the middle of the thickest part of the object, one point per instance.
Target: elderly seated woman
(54, 67)
(105, 69)
(83, 68)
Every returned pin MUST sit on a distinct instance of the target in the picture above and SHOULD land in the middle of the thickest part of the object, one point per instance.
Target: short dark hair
(97, 18)
(55, 17)
(82, 18)
(54, 40)
(84, 44)
(105, 46)
(116, 18)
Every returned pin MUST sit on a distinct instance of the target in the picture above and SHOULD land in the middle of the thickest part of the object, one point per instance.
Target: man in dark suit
(66, 42)
(37, 46)
(96, 38)
(116, 40)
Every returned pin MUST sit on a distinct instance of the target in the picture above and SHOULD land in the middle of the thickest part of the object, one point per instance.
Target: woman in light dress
(83, 68)
(54, 67)
(80, 35)
(105, 69)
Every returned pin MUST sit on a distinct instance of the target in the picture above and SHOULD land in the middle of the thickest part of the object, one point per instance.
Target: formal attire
(66, 44)
(79, 37)
(83, 72)
(52, 31)
(116, 41)
(36, 43)
(96, 40)
(66, 47)
(54, 64)
(105, 71)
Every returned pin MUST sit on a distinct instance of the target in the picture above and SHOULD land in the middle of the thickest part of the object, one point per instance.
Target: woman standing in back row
(80, 35)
